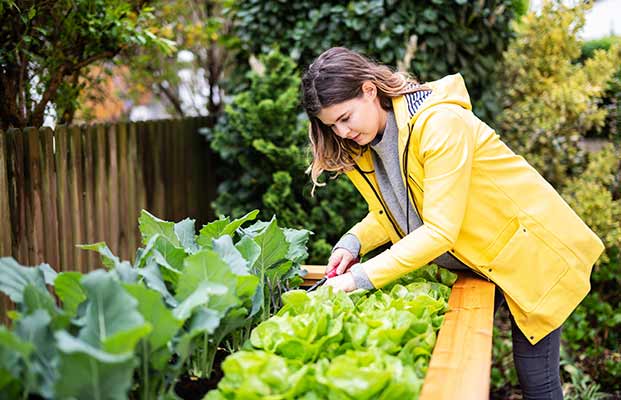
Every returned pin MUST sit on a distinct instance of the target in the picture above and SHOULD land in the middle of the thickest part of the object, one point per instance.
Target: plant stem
(145, 369)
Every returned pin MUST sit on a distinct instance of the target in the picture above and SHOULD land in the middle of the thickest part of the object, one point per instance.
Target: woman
(442, 187)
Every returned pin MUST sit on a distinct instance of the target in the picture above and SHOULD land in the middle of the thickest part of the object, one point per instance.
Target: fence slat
(64, 201)
(159, 189)
(17, 196)
(80, 185)
(35, 228)
(124, 187)
(102, 209)
(141, 188)
(167, 154)
(89, 136)
(76, 195)
(6, 236)
(50, 214)
(132, 206)
(113, 188)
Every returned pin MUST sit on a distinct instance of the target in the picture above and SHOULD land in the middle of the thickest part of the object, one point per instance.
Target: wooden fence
(85, 184)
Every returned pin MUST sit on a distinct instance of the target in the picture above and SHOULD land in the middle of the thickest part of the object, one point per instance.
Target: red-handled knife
(320, 282)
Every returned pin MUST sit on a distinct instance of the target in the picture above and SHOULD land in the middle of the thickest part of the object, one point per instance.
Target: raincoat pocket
(527, 268)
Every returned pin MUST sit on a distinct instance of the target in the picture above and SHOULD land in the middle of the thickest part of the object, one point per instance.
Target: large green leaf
(210, 231)
(13, 352)
(232, 227)
(153, 278)
(154, 311)
(108, 259)
(249, 249)
(151, 225)
(204, 321)
(14, 278)
(89, 373)
(231, 255)
(41, 372)
(36, 298)
(297, 239)
(207, 266)
(215, 229)
(170, 257)
(273, 245)
(112, 321)
(165, 254)
(185, 232)
(199, 297)
(70, 291)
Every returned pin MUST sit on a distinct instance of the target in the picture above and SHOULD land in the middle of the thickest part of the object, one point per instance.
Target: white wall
(603, 19)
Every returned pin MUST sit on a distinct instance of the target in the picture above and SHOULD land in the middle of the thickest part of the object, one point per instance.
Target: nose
(341, 130)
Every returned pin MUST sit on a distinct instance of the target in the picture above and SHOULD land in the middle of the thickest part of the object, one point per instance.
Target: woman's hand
(344, 282)
(340, 259)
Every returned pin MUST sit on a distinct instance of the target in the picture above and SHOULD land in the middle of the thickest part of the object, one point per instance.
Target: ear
(369, 90)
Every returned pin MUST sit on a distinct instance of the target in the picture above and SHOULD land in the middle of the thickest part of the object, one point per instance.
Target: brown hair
(336, 76)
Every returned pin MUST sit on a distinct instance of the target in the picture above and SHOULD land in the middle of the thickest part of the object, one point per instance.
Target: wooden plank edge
(463, 351)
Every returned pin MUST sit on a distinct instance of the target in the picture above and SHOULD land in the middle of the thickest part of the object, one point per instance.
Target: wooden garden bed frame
(460, 364)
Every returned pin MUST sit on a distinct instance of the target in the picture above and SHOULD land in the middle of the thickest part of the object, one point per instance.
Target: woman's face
(359, 119)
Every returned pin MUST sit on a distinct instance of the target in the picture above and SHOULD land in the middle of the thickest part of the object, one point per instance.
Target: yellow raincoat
(484, 204)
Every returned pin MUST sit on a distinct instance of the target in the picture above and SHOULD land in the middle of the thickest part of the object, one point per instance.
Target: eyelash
(343, 120)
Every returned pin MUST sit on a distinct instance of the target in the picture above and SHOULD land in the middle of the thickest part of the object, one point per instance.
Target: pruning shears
(330, 274)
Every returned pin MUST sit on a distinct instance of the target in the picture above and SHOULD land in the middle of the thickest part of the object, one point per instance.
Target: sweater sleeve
(350, 243)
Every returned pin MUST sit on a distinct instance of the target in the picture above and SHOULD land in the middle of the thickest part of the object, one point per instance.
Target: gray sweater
(386, 163)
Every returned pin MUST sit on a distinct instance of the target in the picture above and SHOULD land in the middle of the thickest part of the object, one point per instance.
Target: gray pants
(537, 366)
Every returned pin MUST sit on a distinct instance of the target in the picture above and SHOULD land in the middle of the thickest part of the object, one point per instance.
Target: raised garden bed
(460, 364)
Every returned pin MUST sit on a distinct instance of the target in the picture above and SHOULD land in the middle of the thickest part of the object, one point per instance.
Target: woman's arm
(370, 233)
(446, 146)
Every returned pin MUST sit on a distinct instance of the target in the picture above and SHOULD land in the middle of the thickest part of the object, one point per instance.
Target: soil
(190, 387)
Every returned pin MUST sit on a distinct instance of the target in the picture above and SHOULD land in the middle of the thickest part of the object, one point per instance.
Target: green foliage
(169, 312)
(431, 39)
(262, 139)
(556, 96)
(550, 101)
(591, 196)
(592, 331)
(198, 64)
(48, 46)
(361, 345)
(611, 99)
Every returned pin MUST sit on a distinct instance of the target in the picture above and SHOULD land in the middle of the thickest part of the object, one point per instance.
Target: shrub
(441, 36)
(550, 101)
(611, 99)
(593, 330)
(262, 139)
